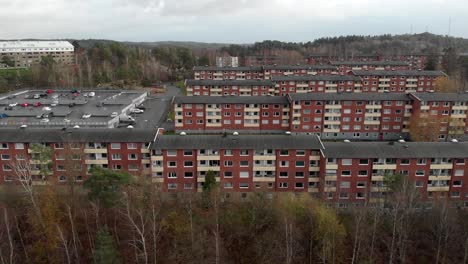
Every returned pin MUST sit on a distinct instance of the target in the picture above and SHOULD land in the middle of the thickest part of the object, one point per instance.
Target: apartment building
(347, 66)
(241, 163)
(364, 116)
(446, 110)
(72, 153)
(261, 60)
(259, 72)
(227, 61)
(27, 53)
(340, 172)
(326, 59)
(398, 81)
(316, 84)
(229, 87)
(227, 73)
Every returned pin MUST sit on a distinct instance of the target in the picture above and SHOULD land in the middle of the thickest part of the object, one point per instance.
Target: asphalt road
(157, 109)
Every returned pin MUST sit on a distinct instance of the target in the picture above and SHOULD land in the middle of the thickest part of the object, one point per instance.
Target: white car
(13, 104)
(44, 120)
(91, 94)
(114, 114)
(46, 108)
(86, 116)
(137, 111)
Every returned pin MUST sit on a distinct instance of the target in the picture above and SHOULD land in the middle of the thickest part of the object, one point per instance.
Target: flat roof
(65, 108)
(306, 78)
(396, 149)
(229, 82)
(350, 96)
(373, 63)
(237, 142)
(227, 68)
(299, 67)
(45, 45)
(398, 73)
(38, 135)
(231, 100)
(441, 97)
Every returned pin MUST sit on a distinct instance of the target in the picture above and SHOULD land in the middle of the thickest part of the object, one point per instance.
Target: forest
(103, 63)
(116, 218)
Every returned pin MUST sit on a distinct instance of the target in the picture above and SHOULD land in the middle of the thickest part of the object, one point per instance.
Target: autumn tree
(424, 128)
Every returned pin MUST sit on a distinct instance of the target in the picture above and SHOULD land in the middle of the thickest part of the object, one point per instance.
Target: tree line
(114, 217)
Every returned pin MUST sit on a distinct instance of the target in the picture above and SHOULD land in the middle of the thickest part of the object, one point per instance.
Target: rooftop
(215, 68)
(44, 45)
(231, 100)
(373, 63)
(237, 142)
(396, 149)
(306, 78)
(441, 97)
(229, 82)
(398, 73)
(66, 108)
(47, 135)
(350, 96)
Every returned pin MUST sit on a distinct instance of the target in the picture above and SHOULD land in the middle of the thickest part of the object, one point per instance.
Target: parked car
(36, 96)
(24, 104)
(86, 116)
(137, 111)
(44, 120)
(37, 104)
(114, 114)
(13, 104)
(91, 94)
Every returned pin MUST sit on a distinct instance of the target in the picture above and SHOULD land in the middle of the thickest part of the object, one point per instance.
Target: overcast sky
(233, 21)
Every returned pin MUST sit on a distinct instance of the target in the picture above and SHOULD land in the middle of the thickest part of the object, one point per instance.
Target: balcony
(331, 122)
(157, 180)
(459, 107)
(440, 177)
(384, 166)
(207, 168)
(331, 178)
(264, 157)
(336, 130)
(314, 157)
(329, 189)
(157, 169)
(264, 179)
(333, 114)
(337, 106)
(425, 107)
(213, 124)
(156, 158)
(372, 114)
(331, 166)
(442, 166)
(377, 178)
(95, 150)
(370, 106)
(208, 157)
(314, 168)
(373, 122)
(96, 162)
(263, 168)
(438, 188)
(297, 106)
(313, 190)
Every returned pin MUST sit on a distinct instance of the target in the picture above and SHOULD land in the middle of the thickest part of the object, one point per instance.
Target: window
(460, 161)
(345, 184)
(243, 185)
(283, 185)
(405, 162)
(172, 175)
(132, 156)
(420, 173)
(244, 163)
(188, 186)
(115, 145)
(299, 174)
(228, 185)
(62, 178)
(299, 185)
(6, 157)
(188, 164)
(188, 153)
(19, 146)
(244, 152)
(6, 167)
(361, 184)
(172, 164)
(284, 152)
(284, 163)
(362, 173)
(132, 167)
(419, 184)
(283, 174)
(228, 152)
(228, 163)
(346, 162)
(188, 174)
(300, 152)
(228, 174)
(20, 157)
(132, 146)
(459, 172)
(172, 186)
(345, 173)
(457, 183)
(421, 161)
(58, 145)
(171, 152)
(363, 162)
(244, 174)
(117, 167)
